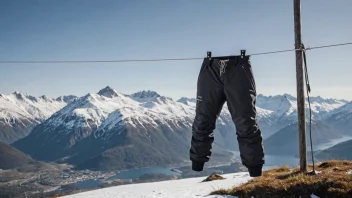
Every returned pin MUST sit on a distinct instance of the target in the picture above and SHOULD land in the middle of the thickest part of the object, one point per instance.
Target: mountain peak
(44, 97)
(66, 99)
(19, 95)
(319, 99)
(289, 97)
(145, 94)
(185, 100)
(284, 96)
(108, 92)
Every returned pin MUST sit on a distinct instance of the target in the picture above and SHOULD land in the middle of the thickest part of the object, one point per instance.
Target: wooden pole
(300, 87)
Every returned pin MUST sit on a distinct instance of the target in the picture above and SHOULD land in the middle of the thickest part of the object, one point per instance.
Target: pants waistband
(233, 59)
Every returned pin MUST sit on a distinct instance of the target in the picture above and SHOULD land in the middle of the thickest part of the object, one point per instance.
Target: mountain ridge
(20, 113)
(93, 128)
(97, 126)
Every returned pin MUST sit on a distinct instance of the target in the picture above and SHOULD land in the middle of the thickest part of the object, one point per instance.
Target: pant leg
(240, 90)
(210, 99)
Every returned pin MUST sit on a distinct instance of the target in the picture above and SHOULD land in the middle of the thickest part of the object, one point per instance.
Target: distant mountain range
(109, 130)
(341, 119)
(20, 113)
(281, 110)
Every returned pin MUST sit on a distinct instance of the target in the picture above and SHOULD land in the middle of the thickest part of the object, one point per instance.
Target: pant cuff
(197, 166)
(255, 171)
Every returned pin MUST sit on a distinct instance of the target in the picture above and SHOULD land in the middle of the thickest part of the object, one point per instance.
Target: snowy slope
(36, 108)
(188, 101)
(325, 106)
(19, 113)
(285, 106)
(282, 110)
(341, 118)
(90, 110)
(184, 188)
(108, 108)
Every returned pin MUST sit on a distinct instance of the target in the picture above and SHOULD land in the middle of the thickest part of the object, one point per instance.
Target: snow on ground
(183, 188)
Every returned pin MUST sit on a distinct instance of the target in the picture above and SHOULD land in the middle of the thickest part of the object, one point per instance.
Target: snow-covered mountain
(123, 131)
(341, 119)
(187, 101)
(147, 127)
(19, 113)
(281, 110)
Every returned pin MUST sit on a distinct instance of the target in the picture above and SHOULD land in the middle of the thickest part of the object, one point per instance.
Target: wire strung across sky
(164, 59)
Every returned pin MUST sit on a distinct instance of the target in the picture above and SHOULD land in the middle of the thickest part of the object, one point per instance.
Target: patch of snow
(109, 92)
(183, 188)
(261, 113)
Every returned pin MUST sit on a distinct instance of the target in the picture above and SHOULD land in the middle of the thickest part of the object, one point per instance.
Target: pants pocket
(201, 72)
(248, 70)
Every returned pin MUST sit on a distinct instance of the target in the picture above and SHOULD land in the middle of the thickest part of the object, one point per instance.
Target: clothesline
(164, 59)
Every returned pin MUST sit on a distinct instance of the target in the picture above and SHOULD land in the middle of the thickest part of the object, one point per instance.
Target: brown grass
(213, 177)
(331, 180)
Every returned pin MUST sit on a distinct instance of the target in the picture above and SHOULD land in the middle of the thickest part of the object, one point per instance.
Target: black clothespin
(209, 55)
(243, 53)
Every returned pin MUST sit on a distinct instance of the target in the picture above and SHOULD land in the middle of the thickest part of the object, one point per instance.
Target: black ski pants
(227, 79)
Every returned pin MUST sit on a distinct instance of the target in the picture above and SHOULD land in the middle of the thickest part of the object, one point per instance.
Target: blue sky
(130, 29)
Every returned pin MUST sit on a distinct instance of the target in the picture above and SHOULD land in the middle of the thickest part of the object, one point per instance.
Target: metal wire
(326, 46)
(274, 52)
(155, 60)
(103, 61)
